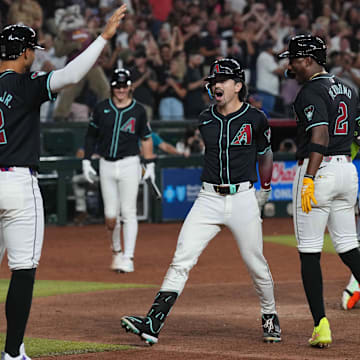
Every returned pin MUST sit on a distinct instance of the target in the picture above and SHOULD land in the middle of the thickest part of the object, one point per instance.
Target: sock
(352, 260)
(17, 308)
(312, 281)
(161, 307)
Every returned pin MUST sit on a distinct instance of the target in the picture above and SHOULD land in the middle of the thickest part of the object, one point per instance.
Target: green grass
(47, 347)
(289, 240)
(51, 287)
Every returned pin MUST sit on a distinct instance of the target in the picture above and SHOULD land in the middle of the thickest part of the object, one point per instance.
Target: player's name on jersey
(6, 98)
(339, 89)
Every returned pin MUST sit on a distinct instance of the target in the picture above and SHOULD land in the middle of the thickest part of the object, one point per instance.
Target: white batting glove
(262, 196)
(88, 171)
(149, 171)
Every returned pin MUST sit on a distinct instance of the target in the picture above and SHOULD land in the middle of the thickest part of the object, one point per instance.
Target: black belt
(114, 159)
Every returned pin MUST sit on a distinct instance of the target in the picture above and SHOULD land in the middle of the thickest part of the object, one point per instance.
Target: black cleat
(271, 328)
(142, 326)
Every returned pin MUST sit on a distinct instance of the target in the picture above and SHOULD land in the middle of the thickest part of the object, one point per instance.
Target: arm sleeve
(91, 136)
(76, 69)
(144, 129)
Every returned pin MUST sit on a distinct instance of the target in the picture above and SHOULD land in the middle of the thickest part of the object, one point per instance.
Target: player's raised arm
(76, 69)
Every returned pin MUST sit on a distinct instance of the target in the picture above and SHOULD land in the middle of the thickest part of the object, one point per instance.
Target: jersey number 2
(341, 123)
(2, 132)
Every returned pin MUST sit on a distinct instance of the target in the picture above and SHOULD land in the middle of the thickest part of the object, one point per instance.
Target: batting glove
(88, 171)
(307, 194)
(262, 196)
(149, 171)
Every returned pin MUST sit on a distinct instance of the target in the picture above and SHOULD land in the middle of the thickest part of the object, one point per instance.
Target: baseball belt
(227, 189)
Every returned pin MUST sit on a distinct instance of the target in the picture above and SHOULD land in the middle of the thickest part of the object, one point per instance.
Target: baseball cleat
(351, 295)
(116, 261)
(22, 355)
(321, 336)
(141, 326)
(271, 328)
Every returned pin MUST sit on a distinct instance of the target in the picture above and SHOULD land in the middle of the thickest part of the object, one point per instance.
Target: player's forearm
(265, 162)
(147, 146)
(76, 69)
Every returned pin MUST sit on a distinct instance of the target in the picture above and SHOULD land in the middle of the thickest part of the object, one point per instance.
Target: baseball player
(116, 126)
(235, 136)
(21, 206)
(326, 181)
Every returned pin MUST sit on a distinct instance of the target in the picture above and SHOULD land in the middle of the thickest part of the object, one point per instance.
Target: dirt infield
(216, 317)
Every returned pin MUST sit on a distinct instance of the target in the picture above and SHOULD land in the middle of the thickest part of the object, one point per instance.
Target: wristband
(312, 177)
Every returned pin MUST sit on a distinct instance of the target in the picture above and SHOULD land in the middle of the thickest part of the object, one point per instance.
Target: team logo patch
(129, 126)
(267, 134)
(36, 74)
(309, 112)
(243, 136)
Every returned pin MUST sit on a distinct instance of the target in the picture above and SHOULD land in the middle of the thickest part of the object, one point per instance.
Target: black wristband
(148, 161)
(312, 177)
(321, 149)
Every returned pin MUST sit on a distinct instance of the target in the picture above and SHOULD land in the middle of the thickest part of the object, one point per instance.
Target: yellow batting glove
(307, 194)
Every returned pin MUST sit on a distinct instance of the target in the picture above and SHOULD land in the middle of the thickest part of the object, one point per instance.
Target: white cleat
(127, 265)
(116, 261)
(22, 356)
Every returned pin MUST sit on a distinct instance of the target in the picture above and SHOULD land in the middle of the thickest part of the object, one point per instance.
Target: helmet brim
(283, 55)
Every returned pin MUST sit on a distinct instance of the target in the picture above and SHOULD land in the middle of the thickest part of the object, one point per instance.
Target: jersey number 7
(341, 122)
(2, 132)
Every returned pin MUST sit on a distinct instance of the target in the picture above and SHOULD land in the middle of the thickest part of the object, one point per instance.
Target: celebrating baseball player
(235, 136)
(21, 206)
(326, 181)
(115, 129)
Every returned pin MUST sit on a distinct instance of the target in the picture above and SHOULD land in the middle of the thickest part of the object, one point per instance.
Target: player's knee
(310, 262)
(110, 223)
(351, 258)
(128, 215)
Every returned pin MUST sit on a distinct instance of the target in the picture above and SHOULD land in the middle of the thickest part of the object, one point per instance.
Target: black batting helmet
(306, 45)
(120, 76)
(14, 39)
(226, 67)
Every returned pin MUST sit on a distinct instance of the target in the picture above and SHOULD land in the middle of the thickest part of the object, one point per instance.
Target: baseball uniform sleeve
(263, 138)
(312, 109)
(144, 128)
(92, 134)
(36, 89)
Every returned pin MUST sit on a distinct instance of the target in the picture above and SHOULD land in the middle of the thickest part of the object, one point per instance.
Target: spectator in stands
(27, 12)
(267, 79)
(171, 93)
(74, 37)
(145, 82)
(192, 143)
(210, 47)
(347, 72)
(256, 101)
(194, 100)
(160, 145)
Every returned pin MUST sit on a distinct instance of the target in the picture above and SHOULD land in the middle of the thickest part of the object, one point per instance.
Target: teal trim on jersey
(50, 95)
(147, 136)
(6, 73)
(313, 125)
(93, 125)
(221, 129)
(115, 125)
(228, 140)
(265, 151)
(119, 127)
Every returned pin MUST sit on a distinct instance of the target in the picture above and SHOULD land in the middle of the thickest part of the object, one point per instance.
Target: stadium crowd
(169, 44)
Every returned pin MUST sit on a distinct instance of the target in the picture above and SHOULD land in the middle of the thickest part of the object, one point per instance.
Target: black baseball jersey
(325, 100)
(232, 144)
(115, 132)
(20, 98)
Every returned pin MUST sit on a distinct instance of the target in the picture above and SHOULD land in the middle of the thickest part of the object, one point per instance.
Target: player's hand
(114, 22)
(307, 194)
(262, 196)
(149, 171)
(88, 171)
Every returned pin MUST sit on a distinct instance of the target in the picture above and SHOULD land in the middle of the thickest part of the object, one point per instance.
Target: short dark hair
(243, 93)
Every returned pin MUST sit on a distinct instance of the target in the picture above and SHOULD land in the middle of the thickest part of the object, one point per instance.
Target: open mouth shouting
(219, 94)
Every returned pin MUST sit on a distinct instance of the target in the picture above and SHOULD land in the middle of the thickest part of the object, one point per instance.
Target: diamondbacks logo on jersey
(37, 74)
(267, 134)
(309, 112)
(2, 132)
(129, 126)
(243, 136)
